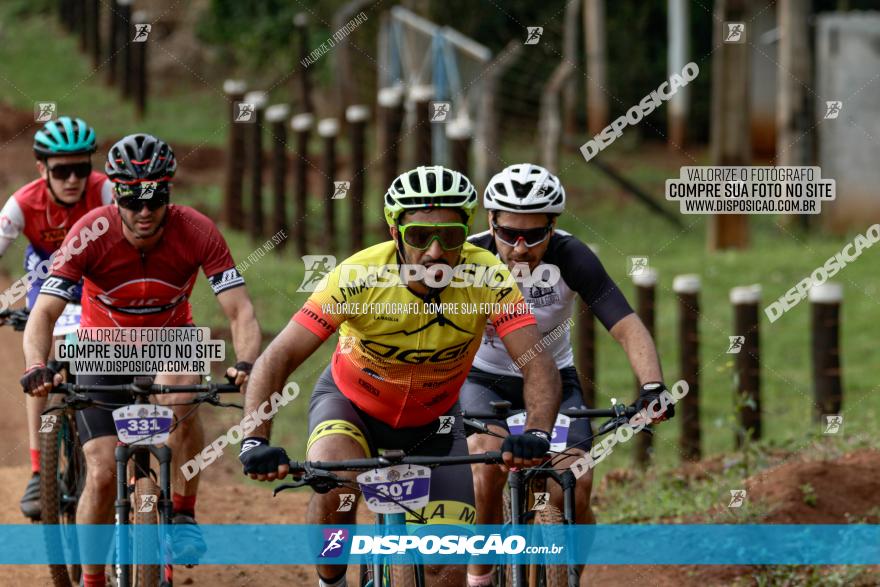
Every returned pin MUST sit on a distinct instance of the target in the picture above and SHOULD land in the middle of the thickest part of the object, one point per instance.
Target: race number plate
(385, 490)
(68, 321)
(558, 440)
(143, 423)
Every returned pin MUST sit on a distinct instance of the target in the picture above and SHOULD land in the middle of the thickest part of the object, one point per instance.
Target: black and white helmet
(525, 188)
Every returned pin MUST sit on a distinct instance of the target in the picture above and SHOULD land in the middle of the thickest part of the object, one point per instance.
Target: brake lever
(286, 486)
(212, 397)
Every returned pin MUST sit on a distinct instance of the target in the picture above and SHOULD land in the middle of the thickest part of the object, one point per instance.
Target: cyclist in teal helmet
(44, 210)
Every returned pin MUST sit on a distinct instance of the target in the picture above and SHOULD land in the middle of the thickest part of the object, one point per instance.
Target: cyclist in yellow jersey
(411, 314)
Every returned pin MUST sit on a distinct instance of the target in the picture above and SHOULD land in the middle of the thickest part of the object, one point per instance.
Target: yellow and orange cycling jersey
(402, 358)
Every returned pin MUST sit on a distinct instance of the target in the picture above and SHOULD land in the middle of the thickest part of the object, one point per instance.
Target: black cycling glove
(36, 376)
(650, 393)
(258, 457)
(240, 366)
(531, 444)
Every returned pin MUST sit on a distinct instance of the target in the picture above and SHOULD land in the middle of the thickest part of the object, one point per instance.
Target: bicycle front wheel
(146, 513)
(62, 477)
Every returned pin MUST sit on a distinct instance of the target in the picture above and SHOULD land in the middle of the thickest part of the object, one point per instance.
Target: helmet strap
(55, 198)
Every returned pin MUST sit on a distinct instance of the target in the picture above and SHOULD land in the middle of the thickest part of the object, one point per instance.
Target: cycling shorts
(94, 421)
(452, 487)
(481, 388)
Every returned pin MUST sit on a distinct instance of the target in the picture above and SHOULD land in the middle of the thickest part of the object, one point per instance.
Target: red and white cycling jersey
(32, 211)
(127, 287)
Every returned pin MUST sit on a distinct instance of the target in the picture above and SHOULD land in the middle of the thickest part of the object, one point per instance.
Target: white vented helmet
(525, 188)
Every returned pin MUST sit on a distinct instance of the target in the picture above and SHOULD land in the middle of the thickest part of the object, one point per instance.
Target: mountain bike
(142, 428)
(526, 500)
(384, 488)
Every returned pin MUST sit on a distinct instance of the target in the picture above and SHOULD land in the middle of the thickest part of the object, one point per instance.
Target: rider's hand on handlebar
(39, 380)
(238, 373)
(650, 394)
(263, 462)
(528, 449)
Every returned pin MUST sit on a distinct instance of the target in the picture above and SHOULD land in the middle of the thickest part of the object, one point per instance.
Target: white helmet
(525, 188)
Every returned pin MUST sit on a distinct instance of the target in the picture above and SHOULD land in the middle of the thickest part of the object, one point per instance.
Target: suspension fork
(123, 512)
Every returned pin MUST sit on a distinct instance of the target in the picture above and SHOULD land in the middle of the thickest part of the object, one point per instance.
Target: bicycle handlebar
(140, 388)
(318, 475)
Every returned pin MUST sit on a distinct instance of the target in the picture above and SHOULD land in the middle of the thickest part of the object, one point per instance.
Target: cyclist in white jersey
(523, 202)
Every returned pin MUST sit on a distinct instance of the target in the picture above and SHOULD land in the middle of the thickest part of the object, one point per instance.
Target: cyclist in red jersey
(139, 260)
(44, 210)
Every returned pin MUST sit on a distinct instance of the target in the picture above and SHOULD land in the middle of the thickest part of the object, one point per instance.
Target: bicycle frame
(139, 455)
(518, 480)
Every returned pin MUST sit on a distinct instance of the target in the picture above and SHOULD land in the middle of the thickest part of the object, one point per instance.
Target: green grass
(777, 258)
(40, 62)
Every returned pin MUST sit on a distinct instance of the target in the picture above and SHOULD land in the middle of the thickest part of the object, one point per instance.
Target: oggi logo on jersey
(417, 356)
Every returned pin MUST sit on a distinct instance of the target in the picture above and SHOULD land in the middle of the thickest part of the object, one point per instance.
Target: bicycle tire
(62, 470)
(144, 575)
(505, 572)
(550, 575)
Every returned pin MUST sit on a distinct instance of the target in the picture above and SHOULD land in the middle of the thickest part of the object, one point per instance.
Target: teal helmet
(65, 136)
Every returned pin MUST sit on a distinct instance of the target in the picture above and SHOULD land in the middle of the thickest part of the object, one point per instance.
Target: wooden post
(646, 293)
(459, 133)
(232, 208)
(64, 14)
(357, 121)
(301, 125)
(421, 97)
(827, 387)
(328, 129)
(596, 60)
(391, 115)
(303, 83)
(687, 289)
(550, 123)
(139, 62)
(276, 116)
(730, 140)
(748, 366)
(94, 31)
(82, 24)
(569, 55)
(112, 43)
(255, 162)
(794, 120)
(126, 34)
(678, 49)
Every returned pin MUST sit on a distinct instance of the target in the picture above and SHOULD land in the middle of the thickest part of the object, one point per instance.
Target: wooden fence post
(748, 366)
(391, 116)
(302, 126)
(357, 122)
(232, 208)
(276, 116)
(328, 130)
(825, 301)
(646, 295)
(687, 289)
(255, 161)
(421, 97)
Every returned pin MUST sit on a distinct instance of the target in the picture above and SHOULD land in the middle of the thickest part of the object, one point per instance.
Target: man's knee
(101, 464)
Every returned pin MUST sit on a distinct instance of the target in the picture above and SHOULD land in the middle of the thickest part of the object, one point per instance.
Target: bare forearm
(246, 336)
(37, 339)
(640, 349)
(287, 352)
(542, 392)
